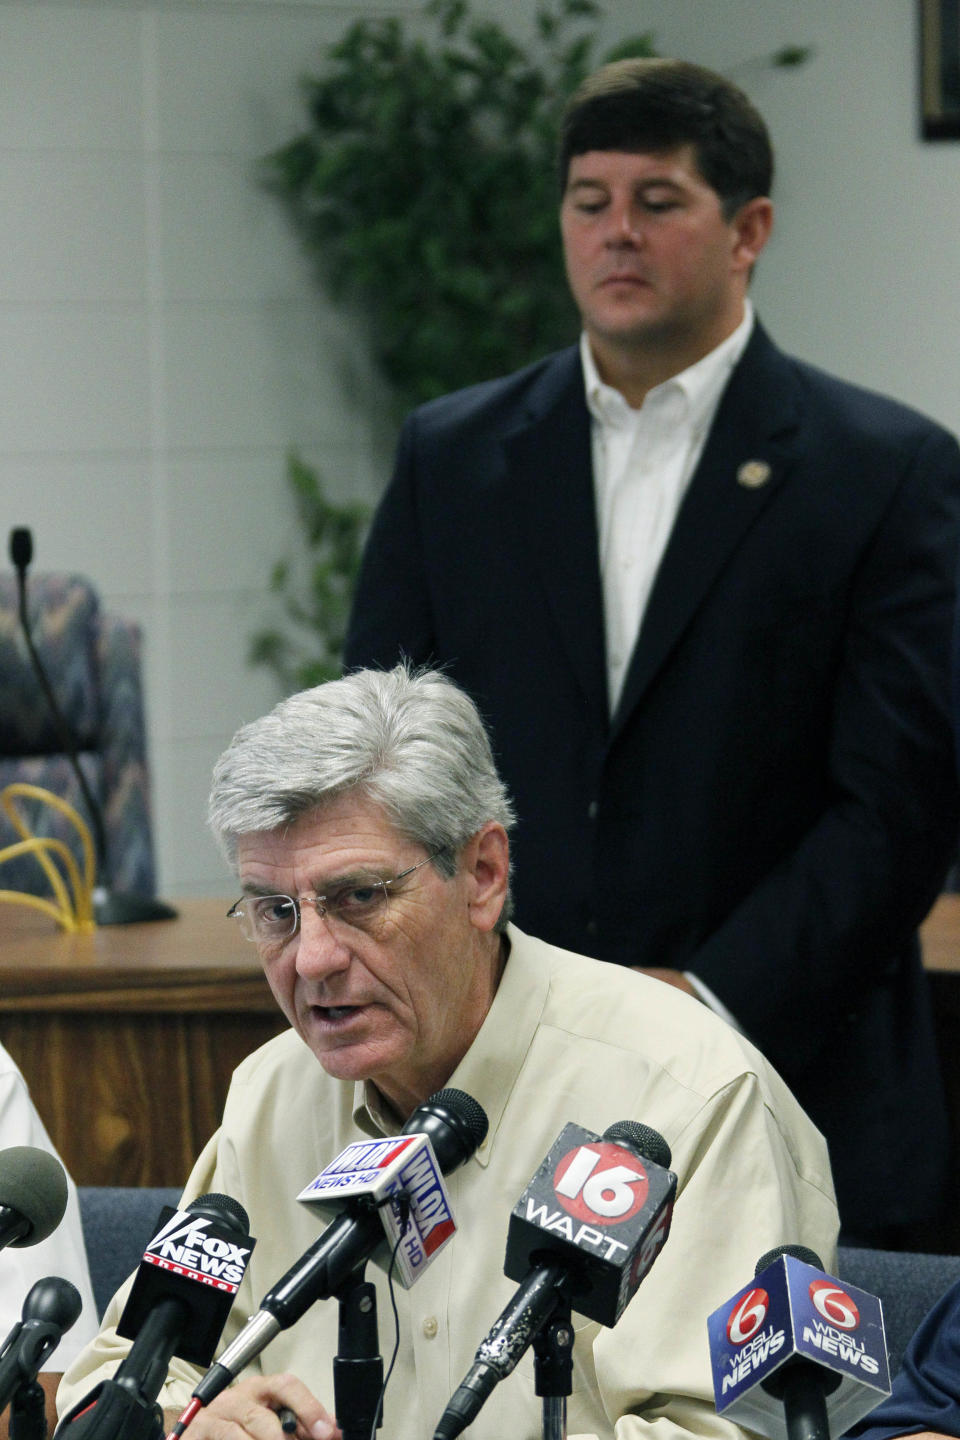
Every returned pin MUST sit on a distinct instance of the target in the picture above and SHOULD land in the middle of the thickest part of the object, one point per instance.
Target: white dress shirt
(63, 1252)
(642, 464)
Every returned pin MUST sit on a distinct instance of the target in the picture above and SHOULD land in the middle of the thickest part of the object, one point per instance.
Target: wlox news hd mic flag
(789, 1310)
(377, 1171)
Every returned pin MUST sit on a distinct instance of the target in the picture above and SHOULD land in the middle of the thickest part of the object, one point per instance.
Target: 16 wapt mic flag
(790, 1312)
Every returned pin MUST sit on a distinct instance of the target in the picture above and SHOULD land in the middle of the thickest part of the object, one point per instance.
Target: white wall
(162, 342)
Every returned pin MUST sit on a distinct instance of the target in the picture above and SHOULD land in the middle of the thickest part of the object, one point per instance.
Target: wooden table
(128, 1037)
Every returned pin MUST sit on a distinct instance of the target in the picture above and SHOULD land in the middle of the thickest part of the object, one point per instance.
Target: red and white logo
(834, 1304)
(601, 1184)
(747, 1316)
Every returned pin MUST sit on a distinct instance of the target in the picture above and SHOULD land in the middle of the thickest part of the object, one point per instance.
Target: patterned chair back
(92, 661)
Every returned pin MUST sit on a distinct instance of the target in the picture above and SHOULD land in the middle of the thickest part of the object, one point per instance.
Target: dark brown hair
(656, 105)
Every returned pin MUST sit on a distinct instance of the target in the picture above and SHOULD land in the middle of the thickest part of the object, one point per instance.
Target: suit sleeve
(392, 613)
(859, 882)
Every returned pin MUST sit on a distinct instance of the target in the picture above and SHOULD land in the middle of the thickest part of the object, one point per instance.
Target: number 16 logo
(603, 1183)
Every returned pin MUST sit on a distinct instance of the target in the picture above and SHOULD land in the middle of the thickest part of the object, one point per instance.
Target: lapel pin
(753, 473)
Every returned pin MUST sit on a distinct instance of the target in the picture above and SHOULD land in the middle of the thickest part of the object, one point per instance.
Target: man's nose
(625, 226)
(321, 951)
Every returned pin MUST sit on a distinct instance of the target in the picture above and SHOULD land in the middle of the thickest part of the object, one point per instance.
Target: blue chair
(92, 661)
(907, 1284)
(118, 1222)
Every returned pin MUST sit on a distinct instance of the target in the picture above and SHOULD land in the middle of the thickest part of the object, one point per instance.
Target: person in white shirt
(62, 1253)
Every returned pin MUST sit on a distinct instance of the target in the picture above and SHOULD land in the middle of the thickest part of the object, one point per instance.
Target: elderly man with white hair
(369, 831)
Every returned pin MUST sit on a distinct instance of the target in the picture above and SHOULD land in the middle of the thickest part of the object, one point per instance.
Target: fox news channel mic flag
(793, 1314)
(197, 1257)
(178, 1304)
(380, 1171)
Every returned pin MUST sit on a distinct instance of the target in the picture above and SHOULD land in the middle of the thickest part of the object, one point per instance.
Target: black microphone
(584, 1232)
(178, 1305)
(797, 1354)
(33, 1195)
(110, 907)
(455, 1124)
(51, 1307)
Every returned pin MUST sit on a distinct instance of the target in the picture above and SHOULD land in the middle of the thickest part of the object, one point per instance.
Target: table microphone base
(114, 907)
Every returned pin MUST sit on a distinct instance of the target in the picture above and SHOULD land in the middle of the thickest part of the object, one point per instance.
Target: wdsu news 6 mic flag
(793, 1317)
(380, 1171)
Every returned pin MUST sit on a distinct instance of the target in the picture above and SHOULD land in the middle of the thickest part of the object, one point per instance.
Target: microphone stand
(28, 1412)
(19, 1386)
(357, 1365)
(553, 1369)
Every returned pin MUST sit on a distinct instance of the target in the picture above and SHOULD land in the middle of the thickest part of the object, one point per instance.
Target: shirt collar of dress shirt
(490, 1068)
(690, 397)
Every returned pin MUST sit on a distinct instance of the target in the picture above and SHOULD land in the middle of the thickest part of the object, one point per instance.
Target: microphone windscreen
(642, 1138)
(34, 1183)
(223, 1208)
(799, 1252)
(54, 1301)
(455, 1123)
(21, 548)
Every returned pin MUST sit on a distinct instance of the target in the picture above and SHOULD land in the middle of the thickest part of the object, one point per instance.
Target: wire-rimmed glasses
(359, 901)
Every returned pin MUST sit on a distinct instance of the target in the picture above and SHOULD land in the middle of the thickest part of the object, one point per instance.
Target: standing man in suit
(703, 593)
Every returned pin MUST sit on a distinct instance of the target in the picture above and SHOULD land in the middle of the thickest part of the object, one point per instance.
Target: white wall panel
(163, 343)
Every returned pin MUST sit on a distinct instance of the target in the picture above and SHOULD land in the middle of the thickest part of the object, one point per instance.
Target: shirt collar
(490, 1068)
(694, 392)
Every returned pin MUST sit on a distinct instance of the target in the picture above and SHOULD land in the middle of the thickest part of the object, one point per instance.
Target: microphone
(33, 1195)
(51, 1307)
(797, 1354)
(455, 1125)
(178, 1305)
(586, 1230)
(109, 907)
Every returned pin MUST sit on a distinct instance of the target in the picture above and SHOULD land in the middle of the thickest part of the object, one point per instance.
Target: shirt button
(430, 1327)
(592, 927)
(592, 810)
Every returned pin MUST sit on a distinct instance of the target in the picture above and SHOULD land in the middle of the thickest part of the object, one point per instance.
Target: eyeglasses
(360, 902)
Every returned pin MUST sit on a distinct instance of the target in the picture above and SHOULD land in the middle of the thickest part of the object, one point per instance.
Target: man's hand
(669, 977)
(250, 1408)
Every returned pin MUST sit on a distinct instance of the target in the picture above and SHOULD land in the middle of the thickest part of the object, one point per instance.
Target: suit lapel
(551, 481)
(743, 465)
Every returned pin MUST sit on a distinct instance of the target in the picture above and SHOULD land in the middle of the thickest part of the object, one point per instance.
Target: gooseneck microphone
(51, 1307)
(110, 907)
(584, 1233)
(33, 1195)
(178, 1305)
(455, 1125)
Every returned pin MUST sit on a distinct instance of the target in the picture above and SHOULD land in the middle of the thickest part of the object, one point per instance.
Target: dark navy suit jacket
(773, 804)
(926, 1391)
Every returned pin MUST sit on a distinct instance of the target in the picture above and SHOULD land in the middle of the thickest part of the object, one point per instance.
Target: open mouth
(337, 1014)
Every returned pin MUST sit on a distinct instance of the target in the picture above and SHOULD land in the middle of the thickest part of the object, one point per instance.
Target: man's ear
(486, 859)
(752, 226)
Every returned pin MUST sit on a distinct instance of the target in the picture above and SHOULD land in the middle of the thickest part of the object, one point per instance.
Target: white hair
(411, 742)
